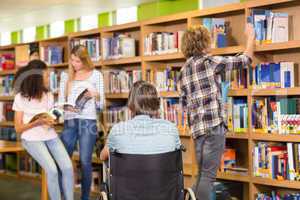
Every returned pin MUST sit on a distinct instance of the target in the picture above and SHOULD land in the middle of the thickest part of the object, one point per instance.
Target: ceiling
(18, 14)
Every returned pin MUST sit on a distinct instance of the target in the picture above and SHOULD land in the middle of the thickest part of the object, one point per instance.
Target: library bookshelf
(236, 15)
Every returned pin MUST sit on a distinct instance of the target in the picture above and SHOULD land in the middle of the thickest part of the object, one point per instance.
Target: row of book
(158, 43)
(119, 46)
(6, 112)
(270, 27)
(7, 61)
(28, 166)
(277, 195)
(237, 114)
(92, 45)
(117, 113)
(167, 79)
(280, 115)
(8, 162)
(170, 109)
(229, 163)
(52, 55)
(238, 79)
(218, 29)
(120, 81)
(274, 75)
(54, 81)
(6, 85)
(278, 161)
(8, 134)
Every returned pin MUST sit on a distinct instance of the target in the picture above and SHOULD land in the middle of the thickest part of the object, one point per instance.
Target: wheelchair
(145, 177)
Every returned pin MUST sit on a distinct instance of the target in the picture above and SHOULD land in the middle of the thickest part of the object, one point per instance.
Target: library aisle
(130, 41)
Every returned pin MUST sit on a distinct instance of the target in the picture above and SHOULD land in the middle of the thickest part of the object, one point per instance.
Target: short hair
(29, 80)
(195, 40)
(143, 99)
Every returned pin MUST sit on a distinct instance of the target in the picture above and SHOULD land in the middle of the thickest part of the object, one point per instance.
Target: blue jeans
(84, 131)
(50, 154)
(209, 149)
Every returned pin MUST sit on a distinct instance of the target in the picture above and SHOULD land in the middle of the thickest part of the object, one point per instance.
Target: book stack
(6, 85)
(277, 161)
(92, 45)
(6, 112)
(270, 27)
(171, 110)
(229, 163)
(277, 195)
(237, 114)
(158, 43)
(52, 55)
(119, 46)
(7, 61)
(167, 80)
(276, 115)
(120, 81)
(274, 75)
(117, 113)
(218, 29)
(28, 166)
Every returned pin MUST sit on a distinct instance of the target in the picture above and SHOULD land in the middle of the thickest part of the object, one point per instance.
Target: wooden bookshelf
(236, 14)
(7, 72)
(7, 124)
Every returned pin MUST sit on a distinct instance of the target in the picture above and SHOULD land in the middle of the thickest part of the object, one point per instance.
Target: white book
(283, 69)
(256, 161)
(236, 116)
(291, 161)
(127, 47)
(159, 43)
(280, 27)
(180, 35)
(270, 26)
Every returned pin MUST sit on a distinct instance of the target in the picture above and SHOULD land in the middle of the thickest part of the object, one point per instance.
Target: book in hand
(80, 102)
(54, 114)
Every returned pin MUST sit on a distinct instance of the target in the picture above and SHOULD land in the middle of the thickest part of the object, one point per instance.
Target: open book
(53, 114)
(80, 102)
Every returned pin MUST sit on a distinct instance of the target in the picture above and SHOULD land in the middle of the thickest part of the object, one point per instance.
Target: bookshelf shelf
(234, 135)
(278, 46)
(275, 92)
(233, 177)
(123, 61)
(7, 123)
(275, 137)
(98, 63)
(164, 57)
(122, 27)
(7, 47)
(237, 92)
(276, 183)
(116, 95)
(7, 72)
(61, 65)
(261, 3)
(228, 50)
(7, 98)
(169, 94)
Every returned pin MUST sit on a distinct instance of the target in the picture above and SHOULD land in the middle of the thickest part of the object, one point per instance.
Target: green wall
(165, 7)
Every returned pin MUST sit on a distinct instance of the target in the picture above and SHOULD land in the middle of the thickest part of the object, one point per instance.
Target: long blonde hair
(82, 53)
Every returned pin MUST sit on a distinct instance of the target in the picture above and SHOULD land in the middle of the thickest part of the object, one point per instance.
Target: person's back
(144, 135)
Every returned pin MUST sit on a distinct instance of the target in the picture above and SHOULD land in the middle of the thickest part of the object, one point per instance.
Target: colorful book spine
(92, 45)
(167, 79)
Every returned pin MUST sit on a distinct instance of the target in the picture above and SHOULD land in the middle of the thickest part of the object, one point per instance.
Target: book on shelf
(278, 195)
(54, 81)
(170, 109)
(237, 114)
(229, 190)
(28, 166)
(116, 113)
(52, 54)
(22, 55)
(270, 27)
(120, 81)
(119, 46)
(8, 134)
(7, 61)
(6, 112)
(279, 115)
(166, 80)
(274, 75)
(158, 43)
(278, 161)
(229, 163)
(6, 85)
(8, 162)
(218, 29)
(92, 44)
(238, 79)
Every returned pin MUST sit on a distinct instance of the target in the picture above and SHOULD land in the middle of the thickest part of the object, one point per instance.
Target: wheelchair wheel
(103, 196)
(189, 194)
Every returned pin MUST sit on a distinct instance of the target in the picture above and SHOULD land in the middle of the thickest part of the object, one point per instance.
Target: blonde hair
(195, 40)
(82, 53)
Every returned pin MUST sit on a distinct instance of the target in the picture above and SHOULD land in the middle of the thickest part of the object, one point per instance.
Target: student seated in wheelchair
(144, 153)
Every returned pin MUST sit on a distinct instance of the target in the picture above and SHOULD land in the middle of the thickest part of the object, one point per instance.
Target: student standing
(39, 137)
(200, 83)
(81, 126)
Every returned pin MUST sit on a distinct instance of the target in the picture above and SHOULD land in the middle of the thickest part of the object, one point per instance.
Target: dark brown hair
(143, 99)
(195, 40)
(29, 80)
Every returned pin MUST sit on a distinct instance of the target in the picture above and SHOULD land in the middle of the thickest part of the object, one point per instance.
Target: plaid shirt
(200, 83)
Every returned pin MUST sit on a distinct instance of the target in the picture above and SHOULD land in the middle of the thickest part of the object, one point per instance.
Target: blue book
(207, 23)
(287, 79)
(276, 74)
(265, 73)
